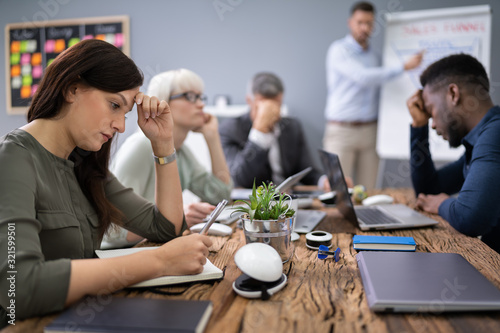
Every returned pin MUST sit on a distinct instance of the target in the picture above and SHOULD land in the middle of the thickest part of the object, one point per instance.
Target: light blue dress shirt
(354, 77)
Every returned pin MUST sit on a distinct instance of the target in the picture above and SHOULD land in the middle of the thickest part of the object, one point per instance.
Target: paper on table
(210, 271)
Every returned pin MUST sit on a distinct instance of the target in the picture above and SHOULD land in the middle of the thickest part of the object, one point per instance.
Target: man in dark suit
(262, 145)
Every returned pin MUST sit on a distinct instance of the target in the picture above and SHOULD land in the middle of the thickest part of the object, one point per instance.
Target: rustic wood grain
(324, 295)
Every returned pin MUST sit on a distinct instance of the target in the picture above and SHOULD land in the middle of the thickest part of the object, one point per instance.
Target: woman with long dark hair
(58, 198)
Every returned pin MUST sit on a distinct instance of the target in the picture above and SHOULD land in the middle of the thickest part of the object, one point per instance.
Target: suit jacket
(247, 160)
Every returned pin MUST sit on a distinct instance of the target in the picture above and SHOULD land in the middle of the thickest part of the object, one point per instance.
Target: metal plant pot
(276, 233)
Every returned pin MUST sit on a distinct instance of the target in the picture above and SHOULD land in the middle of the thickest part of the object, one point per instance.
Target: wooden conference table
(322, 295)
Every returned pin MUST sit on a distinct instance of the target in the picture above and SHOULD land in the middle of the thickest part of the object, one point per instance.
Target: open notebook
(210, 271)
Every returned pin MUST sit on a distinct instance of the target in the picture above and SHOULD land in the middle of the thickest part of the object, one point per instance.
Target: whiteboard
(440, 32)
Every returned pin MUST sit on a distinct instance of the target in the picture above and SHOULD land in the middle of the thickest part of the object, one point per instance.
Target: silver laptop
(306, 220)
(393, 216)
(424, 282)
(292, 180)
(244, 193)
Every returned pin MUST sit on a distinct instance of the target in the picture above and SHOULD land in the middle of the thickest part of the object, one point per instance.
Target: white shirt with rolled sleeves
(354, 77)
(270, 141)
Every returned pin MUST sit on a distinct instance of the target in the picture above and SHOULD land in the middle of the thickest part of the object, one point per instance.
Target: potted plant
(268, 217)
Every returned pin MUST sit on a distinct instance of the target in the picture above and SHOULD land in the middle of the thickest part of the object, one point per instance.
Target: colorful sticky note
(15, 71)
(87, 37)
(15, 46)
(37, 72)
(27, 80)
(50, 61)
(73, 41)
(110, 38)
(26, 70)
(36, 59)
(24, 46)
(119, 40)
(26, 92)
(101, 37)
(16, 82)
(33, 89)
(60, 46)
(31, 45)
(15, 58)
(50, 45)
(25, 58)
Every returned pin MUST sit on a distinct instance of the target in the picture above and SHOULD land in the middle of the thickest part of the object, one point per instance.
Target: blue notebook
(384, 243)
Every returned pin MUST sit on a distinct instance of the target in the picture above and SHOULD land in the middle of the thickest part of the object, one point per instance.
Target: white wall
(289, 37)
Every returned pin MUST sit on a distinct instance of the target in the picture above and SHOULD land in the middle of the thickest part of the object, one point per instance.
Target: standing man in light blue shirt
(354, 77)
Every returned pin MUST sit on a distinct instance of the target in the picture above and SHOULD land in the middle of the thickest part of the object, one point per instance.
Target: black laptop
(392, 216)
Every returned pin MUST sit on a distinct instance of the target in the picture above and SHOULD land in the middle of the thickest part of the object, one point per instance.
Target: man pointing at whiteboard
(354, 77)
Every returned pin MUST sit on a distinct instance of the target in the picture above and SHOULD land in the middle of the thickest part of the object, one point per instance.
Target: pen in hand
(213, 216)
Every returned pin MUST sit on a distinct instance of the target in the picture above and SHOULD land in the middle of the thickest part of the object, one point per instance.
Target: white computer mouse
(216, 229)
(378, 199)
(259, 261)
(327, 198)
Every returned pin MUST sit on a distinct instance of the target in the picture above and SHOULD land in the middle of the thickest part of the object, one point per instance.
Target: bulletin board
(31, 46)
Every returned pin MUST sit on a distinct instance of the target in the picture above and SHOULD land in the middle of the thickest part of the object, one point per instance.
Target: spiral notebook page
(210, 271)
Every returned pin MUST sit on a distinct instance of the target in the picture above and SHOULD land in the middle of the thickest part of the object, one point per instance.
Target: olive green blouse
(43, 207)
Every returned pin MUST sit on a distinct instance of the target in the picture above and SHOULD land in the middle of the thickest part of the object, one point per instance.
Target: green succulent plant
(266, 203)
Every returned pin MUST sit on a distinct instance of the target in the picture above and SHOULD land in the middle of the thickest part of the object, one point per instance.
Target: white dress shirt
(270, 141)
(354, 77)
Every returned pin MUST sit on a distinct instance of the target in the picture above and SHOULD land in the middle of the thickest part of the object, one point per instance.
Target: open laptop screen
(333, 170)
(244, 193)
(292, 180)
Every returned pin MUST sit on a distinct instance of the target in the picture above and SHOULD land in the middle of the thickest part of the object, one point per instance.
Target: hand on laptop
(430, 203)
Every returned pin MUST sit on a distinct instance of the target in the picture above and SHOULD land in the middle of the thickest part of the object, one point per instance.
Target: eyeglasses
(190, 96)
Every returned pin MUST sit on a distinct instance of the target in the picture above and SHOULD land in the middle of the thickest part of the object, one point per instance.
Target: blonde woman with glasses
(132, 165)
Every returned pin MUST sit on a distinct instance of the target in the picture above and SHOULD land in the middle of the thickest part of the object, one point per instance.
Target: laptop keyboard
(375, 216)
